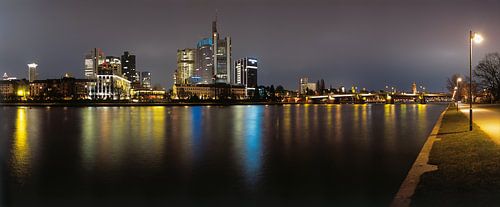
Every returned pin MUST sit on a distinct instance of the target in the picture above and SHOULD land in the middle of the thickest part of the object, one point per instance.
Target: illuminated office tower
(112, 66)
(93, 61)
(128, 67)
(222, 56)
(32, 73)
(185, 65)
(204, 61)
(245, 72)
(306, 86)
(146, 80)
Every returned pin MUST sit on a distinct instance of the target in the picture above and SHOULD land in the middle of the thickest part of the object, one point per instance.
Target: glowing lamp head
(459, 79)
(477, 38)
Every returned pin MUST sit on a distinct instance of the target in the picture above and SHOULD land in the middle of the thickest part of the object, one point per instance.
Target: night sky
(368, 43)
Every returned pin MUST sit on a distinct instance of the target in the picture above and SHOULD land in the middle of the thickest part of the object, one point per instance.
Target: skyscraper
(92, 62)
(146, 79)
(204, 61)
(222, 56)
(128, 67)
(305, 86)
(185, 65)
(112, 65)
(245, 72)
(32, 73)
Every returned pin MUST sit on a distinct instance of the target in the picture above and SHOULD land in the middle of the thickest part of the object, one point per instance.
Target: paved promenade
(487, 117)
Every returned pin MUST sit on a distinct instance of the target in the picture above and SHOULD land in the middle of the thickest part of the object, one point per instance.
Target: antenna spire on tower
(214, 23)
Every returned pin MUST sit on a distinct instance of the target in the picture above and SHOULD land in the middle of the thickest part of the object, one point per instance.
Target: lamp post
(457, 92)
(477, 39)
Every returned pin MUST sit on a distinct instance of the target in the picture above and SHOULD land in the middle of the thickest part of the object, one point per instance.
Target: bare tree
(465, 87)
(488, 72)
(451, 83)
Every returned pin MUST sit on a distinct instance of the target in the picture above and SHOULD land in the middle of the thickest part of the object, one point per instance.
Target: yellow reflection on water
(364, 120)
(287, 127)
(338, 123)
(89, 133)
(390, 127)
(21, 152)
(329, 120)
(422, 113)
(158, 129)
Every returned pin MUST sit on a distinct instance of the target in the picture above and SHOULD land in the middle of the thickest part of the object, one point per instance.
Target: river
(290, 155)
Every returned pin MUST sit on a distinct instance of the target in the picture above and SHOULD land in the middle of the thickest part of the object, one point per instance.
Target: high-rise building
(32, 73)
(306, 86)
(245, 72)
(93, 61)
(111, 66)
(222, 56)
(128, 67)
(185, 65)
(204, 61)
(174, 76)
(146, 80)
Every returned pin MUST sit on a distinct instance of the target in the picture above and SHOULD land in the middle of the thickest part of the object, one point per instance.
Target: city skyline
(363, 44)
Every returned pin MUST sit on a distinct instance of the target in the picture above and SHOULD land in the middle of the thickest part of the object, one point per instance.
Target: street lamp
(477, 39)
(456, 89)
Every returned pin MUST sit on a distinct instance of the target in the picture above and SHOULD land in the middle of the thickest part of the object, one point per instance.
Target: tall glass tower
(222, 56)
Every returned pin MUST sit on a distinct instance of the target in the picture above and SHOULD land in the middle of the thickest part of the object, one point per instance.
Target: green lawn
(468, 167)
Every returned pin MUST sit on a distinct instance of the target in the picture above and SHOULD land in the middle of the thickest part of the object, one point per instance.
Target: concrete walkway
(487, 116)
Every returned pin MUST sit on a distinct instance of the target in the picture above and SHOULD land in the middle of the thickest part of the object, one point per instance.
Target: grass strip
(468, 167)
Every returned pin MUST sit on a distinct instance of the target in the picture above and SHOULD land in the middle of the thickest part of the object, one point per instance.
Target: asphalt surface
(487, 117)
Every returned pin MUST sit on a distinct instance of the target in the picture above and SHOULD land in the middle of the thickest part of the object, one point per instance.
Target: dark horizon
(369, 44)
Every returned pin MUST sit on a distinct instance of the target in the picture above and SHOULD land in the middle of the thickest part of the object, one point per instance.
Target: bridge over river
(389, 98)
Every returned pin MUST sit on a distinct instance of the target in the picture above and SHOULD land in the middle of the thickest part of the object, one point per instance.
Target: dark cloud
(367, 43)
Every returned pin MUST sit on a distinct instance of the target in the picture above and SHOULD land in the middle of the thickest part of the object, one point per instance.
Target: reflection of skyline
(21, 152)
(107, 132)
(25, 141)
(237, 150)
(248, 135)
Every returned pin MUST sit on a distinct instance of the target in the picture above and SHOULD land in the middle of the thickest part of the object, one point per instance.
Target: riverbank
(110, 104)
(468, 167)
(84, 104)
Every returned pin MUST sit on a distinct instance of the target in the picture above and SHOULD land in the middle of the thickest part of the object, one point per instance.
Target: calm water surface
(288, 155)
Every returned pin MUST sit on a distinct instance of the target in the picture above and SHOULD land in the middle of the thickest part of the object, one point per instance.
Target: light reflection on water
(21, 160)
(334, 153)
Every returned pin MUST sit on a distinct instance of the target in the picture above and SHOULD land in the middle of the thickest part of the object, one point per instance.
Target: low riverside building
(208, 91)
(14, 89)
(147, 94)
(66, 88)
(111, 87)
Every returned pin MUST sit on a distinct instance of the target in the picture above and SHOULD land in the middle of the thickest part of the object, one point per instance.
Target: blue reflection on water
(196, 123)
(253, 144)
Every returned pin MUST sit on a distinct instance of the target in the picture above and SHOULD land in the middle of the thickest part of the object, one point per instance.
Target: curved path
(486, 116)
